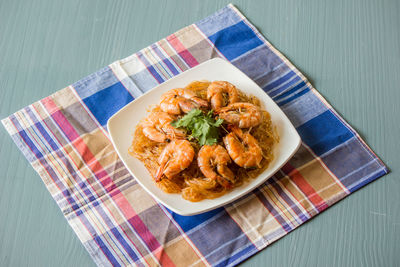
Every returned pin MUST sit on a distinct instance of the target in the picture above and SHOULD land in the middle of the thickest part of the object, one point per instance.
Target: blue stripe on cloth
(82, 184)
(106, 102)
(284, 224)
(144, 80)
(131, 87)
(232, 260)
(155, 74)
(266, 78)
(279, 81)
(158, 65)
(324, 133)
(293, 97)
(123, 242)
(226, 239)
(282, 88)
(26, 139)
(165, 60)
(163, 69)
(46, 136)
(218, 21)
(20, 143)
(99, 240)
(290, 91)
(66, 193)
(95, 82)
(39, 126)
(189, 222)
(292, 206)
(304, 109)
(93, 248)
(235, 40)
(350, 169)
(367, 180)
(150, 68)
(106, 251)
(262, 57)
(113, 231)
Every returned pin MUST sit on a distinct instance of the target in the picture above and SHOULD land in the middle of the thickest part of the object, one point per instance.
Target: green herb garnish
(203, 127)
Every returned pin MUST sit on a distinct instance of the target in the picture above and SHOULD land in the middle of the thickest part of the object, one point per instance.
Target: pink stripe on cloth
(182, 51)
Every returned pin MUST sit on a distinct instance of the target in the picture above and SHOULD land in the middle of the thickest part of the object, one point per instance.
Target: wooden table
(350, 50)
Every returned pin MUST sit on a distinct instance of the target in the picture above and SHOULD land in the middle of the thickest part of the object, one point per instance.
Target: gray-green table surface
(350, 50)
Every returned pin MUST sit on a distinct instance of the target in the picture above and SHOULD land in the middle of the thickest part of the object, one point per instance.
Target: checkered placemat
(64, 137)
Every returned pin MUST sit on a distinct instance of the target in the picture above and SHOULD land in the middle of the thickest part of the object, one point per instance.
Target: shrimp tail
(233, 128)
(163, 164)
(159, 173)
(224, 182)
(201, 102)
(237, 130)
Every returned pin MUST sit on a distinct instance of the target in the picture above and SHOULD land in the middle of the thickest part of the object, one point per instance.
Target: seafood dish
(204, 140)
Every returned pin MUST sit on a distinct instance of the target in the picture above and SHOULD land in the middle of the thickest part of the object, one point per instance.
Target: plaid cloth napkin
(64, 137)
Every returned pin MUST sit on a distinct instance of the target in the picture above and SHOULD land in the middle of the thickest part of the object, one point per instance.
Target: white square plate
(122, 124)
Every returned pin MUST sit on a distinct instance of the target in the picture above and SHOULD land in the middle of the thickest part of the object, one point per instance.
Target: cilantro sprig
(203, 127)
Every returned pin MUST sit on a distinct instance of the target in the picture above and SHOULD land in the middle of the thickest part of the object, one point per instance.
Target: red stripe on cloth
(50, 105)
(182, 51)
(78, 168)
(60, 118)
(107, 183)
(297, 201)
(163, 257)
(69, 202)
(169, 56)
(304, 186)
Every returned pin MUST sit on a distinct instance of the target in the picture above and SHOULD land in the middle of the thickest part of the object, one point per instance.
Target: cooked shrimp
(175, 157)
(213, 161)
(244, 115)
(157, 127)
(243, 148)
(180, 100)
(219, 91)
